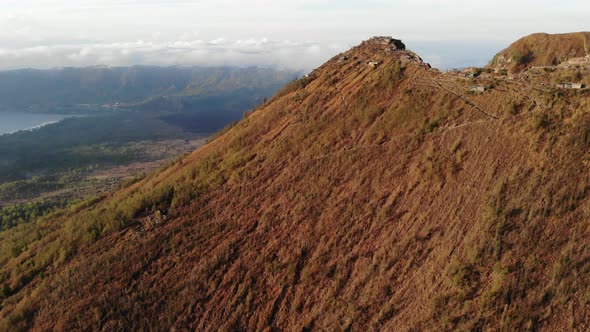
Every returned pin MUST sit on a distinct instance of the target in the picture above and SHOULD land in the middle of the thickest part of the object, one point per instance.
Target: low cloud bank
(282, 54)
(220, 52)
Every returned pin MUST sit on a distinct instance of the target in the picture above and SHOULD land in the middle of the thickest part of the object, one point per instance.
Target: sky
(290, 34)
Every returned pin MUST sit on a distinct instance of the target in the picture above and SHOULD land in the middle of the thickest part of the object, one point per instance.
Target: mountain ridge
(374, 193)
(542, 49)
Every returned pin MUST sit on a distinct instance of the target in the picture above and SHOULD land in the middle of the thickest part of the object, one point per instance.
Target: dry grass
(340, 208)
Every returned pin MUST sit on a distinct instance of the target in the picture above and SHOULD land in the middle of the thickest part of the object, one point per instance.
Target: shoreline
(57, 118)
(32, 128)
(39, 126)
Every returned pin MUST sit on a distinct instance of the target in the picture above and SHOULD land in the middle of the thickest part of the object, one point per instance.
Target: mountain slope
(542, 49)
(387, 198)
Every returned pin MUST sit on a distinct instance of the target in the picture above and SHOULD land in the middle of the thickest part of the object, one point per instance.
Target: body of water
(11, 122)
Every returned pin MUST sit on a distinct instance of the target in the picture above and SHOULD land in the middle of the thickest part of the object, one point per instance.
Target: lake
(11, 122)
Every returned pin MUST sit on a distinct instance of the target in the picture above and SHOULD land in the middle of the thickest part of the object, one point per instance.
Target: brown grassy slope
(357, 198)
(542, 49)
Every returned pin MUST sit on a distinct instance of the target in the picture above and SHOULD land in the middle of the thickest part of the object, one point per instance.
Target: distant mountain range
(72, 89)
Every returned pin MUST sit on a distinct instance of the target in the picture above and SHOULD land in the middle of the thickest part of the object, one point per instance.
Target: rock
(391, 43)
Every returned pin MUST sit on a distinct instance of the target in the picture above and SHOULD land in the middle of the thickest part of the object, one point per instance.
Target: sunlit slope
(383, 197)
(541, 49)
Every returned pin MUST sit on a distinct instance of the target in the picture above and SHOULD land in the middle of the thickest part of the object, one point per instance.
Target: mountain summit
(390, 43)
(375, 193)
(542, 49)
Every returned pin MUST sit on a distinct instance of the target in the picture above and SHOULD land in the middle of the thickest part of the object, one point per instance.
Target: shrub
(21, 213)
(459, 273)
(430, 126)
(131, 181)
(540, 121)
(513, 108)
(185, 193)
(582, 136)
(522, 59)
(391, 75)
(5, 291)
(498, 278)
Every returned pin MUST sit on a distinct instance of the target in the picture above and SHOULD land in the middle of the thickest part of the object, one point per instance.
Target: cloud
(284, 54)
(218, 52)
(187, 51)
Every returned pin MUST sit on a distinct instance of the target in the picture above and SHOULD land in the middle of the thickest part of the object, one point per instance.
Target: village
(568, 75)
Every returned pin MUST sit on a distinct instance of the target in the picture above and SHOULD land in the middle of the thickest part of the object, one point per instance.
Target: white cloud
(218, 52)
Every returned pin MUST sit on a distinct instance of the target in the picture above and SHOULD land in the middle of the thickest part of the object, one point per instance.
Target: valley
(93, 148)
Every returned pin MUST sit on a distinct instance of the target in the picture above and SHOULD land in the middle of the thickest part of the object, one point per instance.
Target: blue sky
(292, 34)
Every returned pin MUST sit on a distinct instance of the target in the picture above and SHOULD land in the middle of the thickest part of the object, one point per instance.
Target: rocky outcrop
(389, 42)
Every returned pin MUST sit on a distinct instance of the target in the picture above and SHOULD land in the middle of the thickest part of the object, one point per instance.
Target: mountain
(376, 193)
(541, 49)
(75, 88)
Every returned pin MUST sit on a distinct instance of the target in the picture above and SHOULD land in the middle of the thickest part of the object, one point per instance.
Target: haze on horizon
(297, 35)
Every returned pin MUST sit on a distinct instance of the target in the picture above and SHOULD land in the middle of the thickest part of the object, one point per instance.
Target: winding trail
(467, 101)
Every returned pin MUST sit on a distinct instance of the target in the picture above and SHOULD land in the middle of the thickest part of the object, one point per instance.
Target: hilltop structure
(389, 42)
(570, 85)
(478, 88)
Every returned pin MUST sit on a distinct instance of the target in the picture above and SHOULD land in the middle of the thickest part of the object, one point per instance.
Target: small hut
(568, 85)
(373, 64)
(478, 88)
